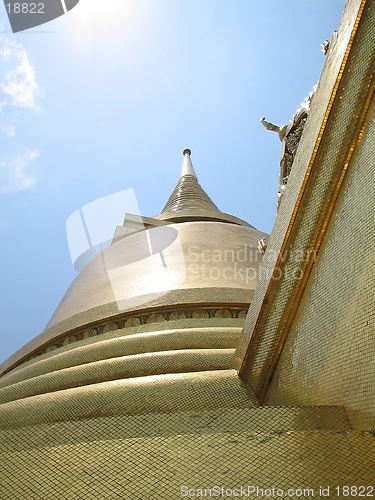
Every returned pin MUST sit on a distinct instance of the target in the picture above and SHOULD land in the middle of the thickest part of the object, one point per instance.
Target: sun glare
(91, 17)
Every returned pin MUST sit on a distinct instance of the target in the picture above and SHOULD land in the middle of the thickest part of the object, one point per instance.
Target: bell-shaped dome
(191, 261)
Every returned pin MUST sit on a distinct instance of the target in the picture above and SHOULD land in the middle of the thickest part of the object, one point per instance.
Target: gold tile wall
(151, 457)
(329, 355)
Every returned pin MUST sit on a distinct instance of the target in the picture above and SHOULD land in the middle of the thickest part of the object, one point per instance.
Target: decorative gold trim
(144, 317)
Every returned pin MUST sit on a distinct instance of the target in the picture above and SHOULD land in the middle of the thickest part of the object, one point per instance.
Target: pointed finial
(187, 166)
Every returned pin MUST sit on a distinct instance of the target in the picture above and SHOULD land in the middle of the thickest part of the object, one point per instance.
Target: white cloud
(18, 82)
(15, 174)
(19, 93)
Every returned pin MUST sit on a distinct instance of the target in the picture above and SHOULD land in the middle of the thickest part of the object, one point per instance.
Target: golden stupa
(178, 308)
(198, 357)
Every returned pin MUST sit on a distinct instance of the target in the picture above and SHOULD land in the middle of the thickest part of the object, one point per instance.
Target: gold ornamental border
(144, 316)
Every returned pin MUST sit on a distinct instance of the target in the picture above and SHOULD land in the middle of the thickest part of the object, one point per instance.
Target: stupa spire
(189, 202)
(187, 166)
(188, 198)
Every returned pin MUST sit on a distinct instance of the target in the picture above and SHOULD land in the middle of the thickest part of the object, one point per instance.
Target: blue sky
(107, 97)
